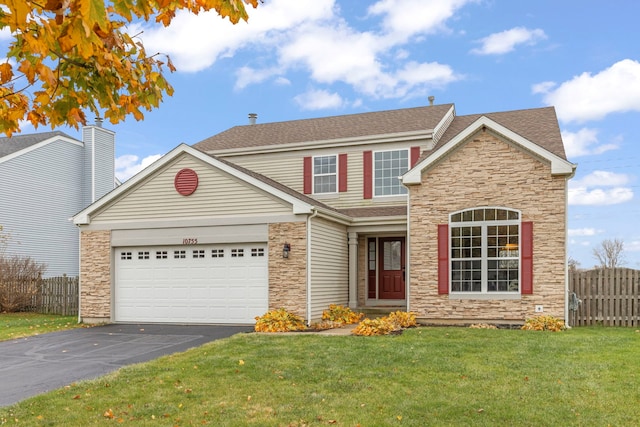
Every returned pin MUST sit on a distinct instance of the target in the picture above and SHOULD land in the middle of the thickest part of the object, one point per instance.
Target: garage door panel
(203, 283)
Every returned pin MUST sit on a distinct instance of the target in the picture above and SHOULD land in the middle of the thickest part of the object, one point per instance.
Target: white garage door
(191, 284)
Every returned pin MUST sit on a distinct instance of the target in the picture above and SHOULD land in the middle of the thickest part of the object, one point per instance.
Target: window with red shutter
(487, 250)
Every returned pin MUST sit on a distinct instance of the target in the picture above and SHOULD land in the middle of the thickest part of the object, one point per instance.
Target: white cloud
(129, 165)
(542, 87)
(600, 188)
(600, 178)
(583, 231)
(506, 41)
(195, 42)
(593, 97)
(632, 246)
(312, 37)
(405, 18)
(599, 196)
(318, 100)
(584, 142)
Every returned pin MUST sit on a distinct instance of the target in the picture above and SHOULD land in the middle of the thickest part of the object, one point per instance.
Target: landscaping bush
(338, 314)
(279, 320)
(379, 326)
(19, 282)
(403, 319)
(544, 323)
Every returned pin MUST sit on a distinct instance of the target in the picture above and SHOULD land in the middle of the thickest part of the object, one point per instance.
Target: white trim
(445, 122)
(426, 134)
(40, 144)
(313, 174)
(309, 218)
(298, 206)
(399, 178)
(559, 166)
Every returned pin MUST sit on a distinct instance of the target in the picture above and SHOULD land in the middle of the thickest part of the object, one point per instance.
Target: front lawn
(426, 376)
(19, 325)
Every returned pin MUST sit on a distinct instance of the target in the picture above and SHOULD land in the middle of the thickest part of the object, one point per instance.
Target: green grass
(426, 376)
(19, 325)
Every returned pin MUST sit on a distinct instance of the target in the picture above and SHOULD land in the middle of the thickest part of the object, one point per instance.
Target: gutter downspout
(309, 218)
(407, 251)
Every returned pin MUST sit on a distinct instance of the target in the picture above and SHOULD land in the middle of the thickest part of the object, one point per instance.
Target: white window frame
(403, 189)
(484, 258)
(314, 174)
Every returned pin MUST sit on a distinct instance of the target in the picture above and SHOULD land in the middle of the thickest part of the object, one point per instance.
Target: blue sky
(311, 58)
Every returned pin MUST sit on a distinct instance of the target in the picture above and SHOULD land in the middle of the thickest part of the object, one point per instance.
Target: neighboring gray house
(45, 179)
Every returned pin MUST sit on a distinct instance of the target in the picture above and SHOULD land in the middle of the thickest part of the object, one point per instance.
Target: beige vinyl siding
(218, 194)
(287, 168)
(329, 266)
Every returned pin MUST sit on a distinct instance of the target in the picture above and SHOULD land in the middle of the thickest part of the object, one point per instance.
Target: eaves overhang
(559, 166)
(329, 143)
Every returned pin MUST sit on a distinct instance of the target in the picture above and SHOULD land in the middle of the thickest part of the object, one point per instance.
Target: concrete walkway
(34, 365)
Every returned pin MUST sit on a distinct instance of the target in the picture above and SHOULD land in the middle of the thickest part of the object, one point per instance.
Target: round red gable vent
(186, 182)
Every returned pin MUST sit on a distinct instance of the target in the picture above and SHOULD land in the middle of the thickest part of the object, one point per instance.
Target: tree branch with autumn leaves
(70, 56)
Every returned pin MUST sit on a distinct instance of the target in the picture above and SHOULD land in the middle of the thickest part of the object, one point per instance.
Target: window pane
(324, 174)
(389, 165)
(392, 258)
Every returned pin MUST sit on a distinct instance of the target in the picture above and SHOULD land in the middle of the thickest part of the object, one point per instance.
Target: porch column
(353, 270)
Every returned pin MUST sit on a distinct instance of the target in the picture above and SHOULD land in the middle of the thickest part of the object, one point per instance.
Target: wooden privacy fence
(53, 295)
(607, 296)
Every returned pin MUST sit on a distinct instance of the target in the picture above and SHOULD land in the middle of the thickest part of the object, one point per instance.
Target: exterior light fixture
(285, 250)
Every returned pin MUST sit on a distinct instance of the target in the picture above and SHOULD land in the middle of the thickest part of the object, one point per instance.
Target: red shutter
(443, 259)
(308, 175)
(526, 275)
(342, 173)
(367, 161)
(415, 155)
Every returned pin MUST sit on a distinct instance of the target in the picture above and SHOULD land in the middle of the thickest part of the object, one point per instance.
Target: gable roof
(20, 142)
(538, 125)
(335, 128)
(535, 130)
(301, 204)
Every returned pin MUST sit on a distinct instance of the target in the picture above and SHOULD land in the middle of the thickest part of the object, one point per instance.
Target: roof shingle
(327, 128)
(20, 142)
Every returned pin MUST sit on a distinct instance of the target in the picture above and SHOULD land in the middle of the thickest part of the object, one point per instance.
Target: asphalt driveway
(34, 365)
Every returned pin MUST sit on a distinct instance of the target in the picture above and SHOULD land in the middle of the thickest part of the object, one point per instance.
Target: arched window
(485, 251)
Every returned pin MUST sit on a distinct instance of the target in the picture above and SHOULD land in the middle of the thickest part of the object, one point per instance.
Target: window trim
(336, 173)
(484, 293)
(374, 189)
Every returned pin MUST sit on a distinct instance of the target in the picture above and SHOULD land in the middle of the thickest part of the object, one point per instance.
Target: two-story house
(45, 179)
(456, 218)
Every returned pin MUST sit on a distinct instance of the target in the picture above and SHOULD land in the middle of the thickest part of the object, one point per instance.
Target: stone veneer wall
(288, 277)
(95, 276)
(487, 171)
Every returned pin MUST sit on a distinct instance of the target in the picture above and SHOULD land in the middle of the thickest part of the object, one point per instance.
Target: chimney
(99, 121)
(431, 99)
(252, 118)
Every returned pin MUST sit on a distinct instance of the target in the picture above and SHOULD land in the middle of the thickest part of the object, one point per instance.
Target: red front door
(391, 266)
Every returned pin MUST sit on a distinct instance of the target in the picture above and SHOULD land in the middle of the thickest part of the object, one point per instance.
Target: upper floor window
(325, 177)
(388, 167)
(485, 250)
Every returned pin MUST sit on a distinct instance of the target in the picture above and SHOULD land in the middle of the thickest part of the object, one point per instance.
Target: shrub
(19, 282)
(403, 319)
(340, 315)
(379, 326)
(279, 320)
(482, 326)
(544, 323)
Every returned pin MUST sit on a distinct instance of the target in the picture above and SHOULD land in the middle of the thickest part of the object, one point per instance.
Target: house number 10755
(189, 241)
